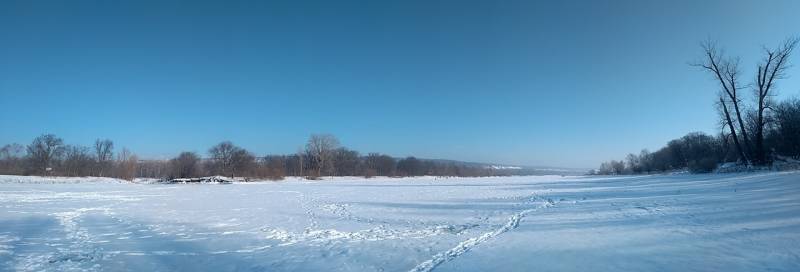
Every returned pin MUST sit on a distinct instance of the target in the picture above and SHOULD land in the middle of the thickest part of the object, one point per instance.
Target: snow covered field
(722, 222)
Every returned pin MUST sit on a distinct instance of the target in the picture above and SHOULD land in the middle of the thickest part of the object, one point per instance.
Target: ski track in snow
(465, 246)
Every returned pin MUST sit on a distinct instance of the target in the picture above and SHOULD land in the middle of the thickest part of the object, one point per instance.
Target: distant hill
(505, 169)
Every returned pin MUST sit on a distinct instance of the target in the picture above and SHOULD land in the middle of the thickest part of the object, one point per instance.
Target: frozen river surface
(721, 222)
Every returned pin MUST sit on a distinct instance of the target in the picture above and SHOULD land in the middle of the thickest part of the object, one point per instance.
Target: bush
(703, 165)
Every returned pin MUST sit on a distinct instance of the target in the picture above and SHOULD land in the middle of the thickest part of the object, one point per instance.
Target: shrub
(703, 165)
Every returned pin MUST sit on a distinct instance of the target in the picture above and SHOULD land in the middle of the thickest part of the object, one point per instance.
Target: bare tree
(153, 169)
(11, 159)
(126, 164)
(320, 147)
(229, 159)
(646, 161)
(11, 151)
(409, 167)
(242, 162)
(300, 160)
(222, 158)
(346, 162)
(274, 167)
(726, 71)
(185, 165)
(771, 68)
(379, 164)
(78, 161)
(633, 163)
(43, 151)
(104, 154)
(618, 167)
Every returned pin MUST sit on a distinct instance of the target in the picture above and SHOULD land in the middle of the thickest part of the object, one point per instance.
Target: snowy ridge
(463, 247)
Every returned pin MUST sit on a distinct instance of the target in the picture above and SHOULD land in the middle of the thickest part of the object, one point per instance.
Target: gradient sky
(557, 83)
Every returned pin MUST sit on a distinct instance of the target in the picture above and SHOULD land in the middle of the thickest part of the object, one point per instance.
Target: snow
(37, 179)
(681, 222)
(503, 167)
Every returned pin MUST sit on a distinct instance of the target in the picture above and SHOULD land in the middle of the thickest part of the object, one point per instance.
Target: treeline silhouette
(758, 132)
(322, 156)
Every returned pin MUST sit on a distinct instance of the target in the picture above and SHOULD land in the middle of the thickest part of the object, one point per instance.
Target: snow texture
(714, 222)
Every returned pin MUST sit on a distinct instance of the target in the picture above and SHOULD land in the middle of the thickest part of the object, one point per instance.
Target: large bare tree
(243, 162)
(222, 157)
(321, 147)
(726, 72)
(229, 159)
(771, 68)
(104, 154)
(44, 150)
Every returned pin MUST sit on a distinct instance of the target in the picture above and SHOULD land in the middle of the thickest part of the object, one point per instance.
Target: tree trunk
(728, 120)
(742, 130)
(760, 155)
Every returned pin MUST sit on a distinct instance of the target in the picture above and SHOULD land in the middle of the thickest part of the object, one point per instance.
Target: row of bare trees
(48, 155)
(755, 131)
(322, 156)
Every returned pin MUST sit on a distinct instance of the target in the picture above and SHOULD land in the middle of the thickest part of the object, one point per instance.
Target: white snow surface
(714, 222)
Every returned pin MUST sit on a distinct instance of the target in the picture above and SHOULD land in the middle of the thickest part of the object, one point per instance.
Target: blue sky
(557, 83)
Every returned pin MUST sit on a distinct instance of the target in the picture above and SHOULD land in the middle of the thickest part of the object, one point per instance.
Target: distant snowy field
(718, 222)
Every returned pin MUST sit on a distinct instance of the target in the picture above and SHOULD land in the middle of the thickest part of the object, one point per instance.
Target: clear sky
(557, 83)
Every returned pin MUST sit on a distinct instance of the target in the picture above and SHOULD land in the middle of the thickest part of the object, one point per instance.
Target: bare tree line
(48, 155)
(754, 133)
(322, 156)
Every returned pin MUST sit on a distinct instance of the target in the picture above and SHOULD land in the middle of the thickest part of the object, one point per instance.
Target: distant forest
(757, 130)
(322, 156)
